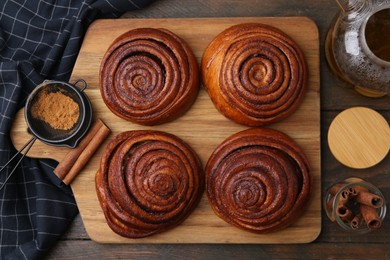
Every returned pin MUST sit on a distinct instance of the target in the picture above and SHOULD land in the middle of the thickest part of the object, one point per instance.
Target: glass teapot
(357, 45)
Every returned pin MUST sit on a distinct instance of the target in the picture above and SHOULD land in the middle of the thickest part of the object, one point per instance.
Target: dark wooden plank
(76, 230)
(90, 250)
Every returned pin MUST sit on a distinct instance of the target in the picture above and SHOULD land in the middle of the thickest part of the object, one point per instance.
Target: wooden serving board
(203, 127)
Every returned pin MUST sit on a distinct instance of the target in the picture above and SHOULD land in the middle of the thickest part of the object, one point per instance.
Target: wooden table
(335, 97)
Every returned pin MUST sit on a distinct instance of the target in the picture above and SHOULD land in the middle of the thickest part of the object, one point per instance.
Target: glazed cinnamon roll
(258, 180)
(149, 76)
(148, 182)
(255, 74)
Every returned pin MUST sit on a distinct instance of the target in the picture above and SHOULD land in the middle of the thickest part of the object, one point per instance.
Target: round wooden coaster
(359, 137)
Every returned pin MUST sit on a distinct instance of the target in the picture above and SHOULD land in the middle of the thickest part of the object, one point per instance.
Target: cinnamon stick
(369, 199)
(76, 159)
(335, 188)
(353, 192)
(344, 213)
(370, 216)
(356, 222)
(343, 198)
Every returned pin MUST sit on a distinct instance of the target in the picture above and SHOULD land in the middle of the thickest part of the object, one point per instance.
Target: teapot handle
(352, 6)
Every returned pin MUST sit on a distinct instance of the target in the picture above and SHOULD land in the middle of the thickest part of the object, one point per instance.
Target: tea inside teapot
(377, 34)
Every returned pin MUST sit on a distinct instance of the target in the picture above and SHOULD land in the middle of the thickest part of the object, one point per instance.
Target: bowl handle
(83, 82)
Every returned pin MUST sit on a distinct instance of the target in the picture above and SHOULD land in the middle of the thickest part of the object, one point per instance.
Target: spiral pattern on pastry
(149, 76)
(255, 74)
(148, 182)
(258, 180)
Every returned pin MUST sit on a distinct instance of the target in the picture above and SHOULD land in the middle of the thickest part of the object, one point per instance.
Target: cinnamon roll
(149, 76)
(258, 180)
(255, 74)
(148, 182)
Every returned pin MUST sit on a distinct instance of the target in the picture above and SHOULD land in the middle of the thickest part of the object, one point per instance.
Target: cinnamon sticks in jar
(355, 206)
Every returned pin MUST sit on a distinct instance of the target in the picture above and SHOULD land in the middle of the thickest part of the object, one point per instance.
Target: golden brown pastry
(255, 74)
(149, 76)
(148, 182)
(258, 180)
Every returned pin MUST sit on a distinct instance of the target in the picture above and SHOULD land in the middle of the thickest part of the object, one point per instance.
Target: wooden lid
(359, 137)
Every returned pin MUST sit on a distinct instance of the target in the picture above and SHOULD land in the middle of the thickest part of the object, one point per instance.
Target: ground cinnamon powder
(57, 109)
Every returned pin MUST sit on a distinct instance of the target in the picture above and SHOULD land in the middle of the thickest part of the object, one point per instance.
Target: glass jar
(355, 205)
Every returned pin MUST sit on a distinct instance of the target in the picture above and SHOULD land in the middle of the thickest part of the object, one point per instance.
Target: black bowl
(43, 131)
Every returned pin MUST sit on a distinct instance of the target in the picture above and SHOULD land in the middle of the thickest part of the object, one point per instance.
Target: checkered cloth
(38, 40)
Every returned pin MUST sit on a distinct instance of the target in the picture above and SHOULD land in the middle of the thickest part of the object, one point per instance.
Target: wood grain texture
(359, 137)
(202, 127)
(90, 250)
